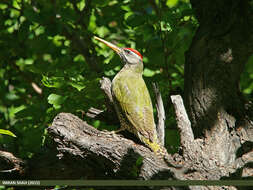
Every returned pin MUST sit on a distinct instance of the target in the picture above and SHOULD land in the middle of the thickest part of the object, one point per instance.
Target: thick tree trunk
(215, 61)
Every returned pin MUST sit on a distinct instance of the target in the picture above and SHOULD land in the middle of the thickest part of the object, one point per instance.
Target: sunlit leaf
(7, 132)
(148, 73)
(56, 100)
(139, 161)
(53, 82)
(171, 3)
(78, 86)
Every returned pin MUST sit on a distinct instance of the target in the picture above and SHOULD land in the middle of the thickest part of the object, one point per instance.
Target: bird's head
(131, 57)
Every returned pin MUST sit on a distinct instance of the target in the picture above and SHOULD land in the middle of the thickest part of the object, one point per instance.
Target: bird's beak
(114, 47)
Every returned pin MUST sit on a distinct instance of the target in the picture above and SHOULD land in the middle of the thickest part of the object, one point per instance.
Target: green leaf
(53, 82)
(56, 100)
(79, 86)
(96, 123)
(171, 3)
(7, 132)
(139, 161)
(28, 61)
(148, 73)
(3, 6)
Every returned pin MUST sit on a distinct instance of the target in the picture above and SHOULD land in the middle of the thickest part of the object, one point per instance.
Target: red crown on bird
(135, 51)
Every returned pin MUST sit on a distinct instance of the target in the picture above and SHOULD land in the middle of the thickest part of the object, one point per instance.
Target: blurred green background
(50, 63)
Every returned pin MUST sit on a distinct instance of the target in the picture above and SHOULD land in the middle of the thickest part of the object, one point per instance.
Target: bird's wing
(134, 100)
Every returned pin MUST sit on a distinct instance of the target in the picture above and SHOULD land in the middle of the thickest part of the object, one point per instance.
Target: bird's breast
(126, 81)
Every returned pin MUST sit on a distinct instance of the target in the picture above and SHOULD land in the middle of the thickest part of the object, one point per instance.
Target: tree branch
(81, 141)
(160, 127)
(183, 123)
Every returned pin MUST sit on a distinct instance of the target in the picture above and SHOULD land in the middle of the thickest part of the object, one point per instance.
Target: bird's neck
(135, 68)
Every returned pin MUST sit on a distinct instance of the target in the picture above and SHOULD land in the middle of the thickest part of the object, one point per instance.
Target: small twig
(183, 122)
(9, 171)
(93, 112)
(160, 127)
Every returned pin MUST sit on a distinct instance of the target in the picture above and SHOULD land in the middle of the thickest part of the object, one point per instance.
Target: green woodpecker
(132, 100)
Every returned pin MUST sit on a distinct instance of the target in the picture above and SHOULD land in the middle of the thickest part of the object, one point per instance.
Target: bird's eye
(127, 51)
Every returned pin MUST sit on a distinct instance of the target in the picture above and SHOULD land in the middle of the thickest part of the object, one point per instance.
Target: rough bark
(217, 56)
(106, 155)
(214, 63)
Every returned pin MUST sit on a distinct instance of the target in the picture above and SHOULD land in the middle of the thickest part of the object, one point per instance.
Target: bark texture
(221, 120)
(214, 63)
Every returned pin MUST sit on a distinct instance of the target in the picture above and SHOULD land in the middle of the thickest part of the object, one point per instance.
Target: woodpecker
(132, 100)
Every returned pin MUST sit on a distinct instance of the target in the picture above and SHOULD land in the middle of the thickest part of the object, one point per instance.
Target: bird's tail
(158, 149)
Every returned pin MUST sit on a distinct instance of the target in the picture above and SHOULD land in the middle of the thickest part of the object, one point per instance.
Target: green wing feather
(132, 95)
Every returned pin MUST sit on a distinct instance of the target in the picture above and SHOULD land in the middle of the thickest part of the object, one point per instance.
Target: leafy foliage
(50, 62)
